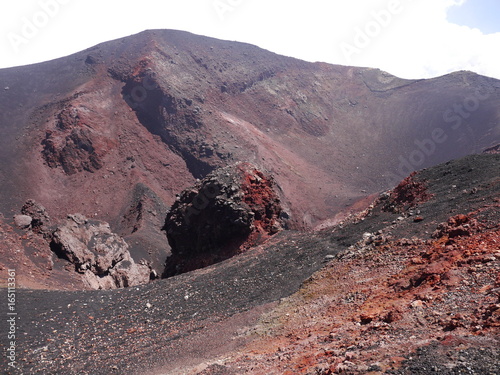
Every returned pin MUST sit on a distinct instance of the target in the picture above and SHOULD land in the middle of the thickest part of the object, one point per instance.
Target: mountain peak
(163, 108)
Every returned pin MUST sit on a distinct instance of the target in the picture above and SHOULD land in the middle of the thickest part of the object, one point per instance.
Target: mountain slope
(174, 106)
(116, 131)
(380, 296)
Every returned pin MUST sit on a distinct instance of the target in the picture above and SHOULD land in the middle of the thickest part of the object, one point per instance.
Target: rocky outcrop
(139, 225)
(176, 119)
(231, 209)
(72, 143)
(100, 255)
(493, 150)
(407, 194)
(457, 226)
(40, 220)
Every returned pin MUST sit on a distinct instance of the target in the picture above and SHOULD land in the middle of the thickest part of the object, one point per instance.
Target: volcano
(116, 131)
(112, 135)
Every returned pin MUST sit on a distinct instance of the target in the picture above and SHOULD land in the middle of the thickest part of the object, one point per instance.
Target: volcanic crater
(177, 204)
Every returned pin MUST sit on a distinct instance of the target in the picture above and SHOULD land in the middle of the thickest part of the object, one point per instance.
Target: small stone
(418, 219)
(375, 367)
(385, 195)
(366, 235)
(23, 221)
(350, 355)
(417, 303)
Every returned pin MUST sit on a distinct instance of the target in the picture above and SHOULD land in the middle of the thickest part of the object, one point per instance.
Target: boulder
(99, 254)
(230, 210)
(23, 221)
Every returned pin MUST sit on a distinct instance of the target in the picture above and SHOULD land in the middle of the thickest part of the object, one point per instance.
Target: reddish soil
(379, 292)
(366, 313)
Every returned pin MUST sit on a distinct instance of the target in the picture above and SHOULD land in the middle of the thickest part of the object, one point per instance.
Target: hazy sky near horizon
(408, 38)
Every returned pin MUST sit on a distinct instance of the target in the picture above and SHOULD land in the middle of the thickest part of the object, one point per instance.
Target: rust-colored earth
(362, 281)
(367, 313)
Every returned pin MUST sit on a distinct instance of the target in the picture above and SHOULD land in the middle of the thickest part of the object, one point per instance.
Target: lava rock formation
(100, 255)
(231, 209)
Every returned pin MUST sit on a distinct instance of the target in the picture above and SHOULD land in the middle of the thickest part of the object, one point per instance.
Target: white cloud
(420, 42)
(413, 39)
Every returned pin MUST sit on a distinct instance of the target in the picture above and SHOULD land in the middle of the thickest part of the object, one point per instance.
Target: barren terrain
(411, 283)
(99, 150)
(116, 131)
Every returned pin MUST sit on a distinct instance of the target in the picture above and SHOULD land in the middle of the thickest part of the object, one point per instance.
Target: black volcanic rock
(231, 208)
(493, 150)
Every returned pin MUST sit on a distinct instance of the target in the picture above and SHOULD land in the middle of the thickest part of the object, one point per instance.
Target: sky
(407, 38)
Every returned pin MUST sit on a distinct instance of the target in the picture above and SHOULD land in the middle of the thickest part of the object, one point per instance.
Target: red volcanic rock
(229, 210)
(456, 226)
(341, 317)
(259, 195)
(71, 145)
(407, 194)
(493, 150)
